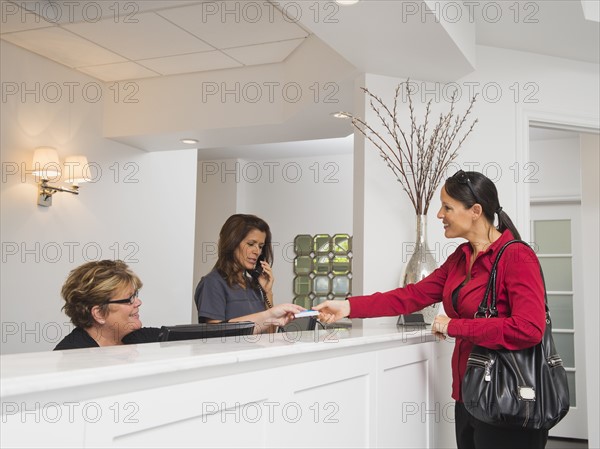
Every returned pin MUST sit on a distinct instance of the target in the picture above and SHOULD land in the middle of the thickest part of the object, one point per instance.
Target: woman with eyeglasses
(101, 299)
(469, 208)
(240, 286)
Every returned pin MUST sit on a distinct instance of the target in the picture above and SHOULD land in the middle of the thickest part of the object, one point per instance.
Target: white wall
(308, 195)
(215, 201)
(141, 207)
(558, 168)
(240, 106)
(295, 195)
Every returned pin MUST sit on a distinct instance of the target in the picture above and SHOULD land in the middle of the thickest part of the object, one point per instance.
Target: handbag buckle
(526, 393)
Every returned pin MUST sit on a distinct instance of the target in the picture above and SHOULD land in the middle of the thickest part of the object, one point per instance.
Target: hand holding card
(306, 313)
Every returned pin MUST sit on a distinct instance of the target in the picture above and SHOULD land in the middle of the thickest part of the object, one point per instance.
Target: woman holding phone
(240, 286)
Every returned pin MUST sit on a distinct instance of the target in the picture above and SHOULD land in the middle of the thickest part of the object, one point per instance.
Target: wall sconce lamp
(46, 167)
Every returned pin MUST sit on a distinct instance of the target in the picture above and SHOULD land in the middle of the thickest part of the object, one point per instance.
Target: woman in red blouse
(469, 205)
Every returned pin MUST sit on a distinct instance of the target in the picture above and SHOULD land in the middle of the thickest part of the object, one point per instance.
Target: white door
(556, 235)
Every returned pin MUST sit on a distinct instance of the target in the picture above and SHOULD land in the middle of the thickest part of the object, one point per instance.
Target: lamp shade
(45, 163)
(76, 167)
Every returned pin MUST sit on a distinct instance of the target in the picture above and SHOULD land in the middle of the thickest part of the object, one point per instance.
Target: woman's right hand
(333, 310)
(282, 314)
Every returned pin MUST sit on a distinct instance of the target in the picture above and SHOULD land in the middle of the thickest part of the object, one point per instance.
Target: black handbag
(526, 388)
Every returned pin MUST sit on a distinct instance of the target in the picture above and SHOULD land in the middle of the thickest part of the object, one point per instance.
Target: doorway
(556, 225)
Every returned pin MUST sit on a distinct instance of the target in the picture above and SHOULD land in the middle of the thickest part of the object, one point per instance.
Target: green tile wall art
(322, 268)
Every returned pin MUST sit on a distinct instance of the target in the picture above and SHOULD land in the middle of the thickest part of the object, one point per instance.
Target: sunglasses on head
(462, 178)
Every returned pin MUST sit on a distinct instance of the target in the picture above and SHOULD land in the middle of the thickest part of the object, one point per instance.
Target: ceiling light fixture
(346, 2)
(341, 114)
(189, 141)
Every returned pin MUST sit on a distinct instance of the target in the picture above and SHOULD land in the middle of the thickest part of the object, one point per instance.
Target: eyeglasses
(129, 300)
(462, 178)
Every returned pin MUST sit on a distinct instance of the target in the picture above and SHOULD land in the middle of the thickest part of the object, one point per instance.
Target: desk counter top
(29, 373)
(330, 388)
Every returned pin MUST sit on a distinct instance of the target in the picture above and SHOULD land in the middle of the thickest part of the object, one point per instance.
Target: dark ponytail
(504, 223)
(472, 187)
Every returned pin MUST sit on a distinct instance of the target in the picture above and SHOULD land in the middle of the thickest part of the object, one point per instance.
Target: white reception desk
(382, 387)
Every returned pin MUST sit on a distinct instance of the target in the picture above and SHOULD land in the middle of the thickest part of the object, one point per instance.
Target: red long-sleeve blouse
(521, 317)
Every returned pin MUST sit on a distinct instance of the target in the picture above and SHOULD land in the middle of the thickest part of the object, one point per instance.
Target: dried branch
(418, 158)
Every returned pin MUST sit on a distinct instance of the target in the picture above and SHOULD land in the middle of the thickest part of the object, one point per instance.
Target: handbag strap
(486, 310)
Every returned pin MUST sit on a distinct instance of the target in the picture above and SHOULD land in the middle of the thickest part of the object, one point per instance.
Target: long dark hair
(235, 229)
(471, 187)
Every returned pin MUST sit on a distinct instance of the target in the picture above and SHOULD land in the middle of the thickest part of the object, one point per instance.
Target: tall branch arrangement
(418, 157)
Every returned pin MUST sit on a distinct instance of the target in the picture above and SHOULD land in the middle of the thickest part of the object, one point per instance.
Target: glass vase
(420, 265)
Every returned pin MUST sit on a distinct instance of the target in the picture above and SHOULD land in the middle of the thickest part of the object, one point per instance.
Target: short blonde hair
(93, 284)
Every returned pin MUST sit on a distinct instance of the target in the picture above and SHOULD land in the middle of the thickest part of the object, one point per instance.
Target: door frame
(527, 117)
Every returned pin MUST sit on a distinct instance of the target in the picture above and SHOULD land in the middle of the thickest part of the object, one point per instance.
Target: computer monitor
(205, 330)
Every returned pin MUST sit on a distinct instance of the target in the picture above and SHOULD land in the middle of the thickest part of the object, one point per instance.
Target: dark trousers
(474, 434)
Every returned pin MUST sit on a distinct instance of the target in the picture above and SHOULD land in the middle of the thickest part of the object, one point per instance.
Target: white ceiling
(165, 44)
(114, 41)
(306, 148)
(123, 40)
(551, 27)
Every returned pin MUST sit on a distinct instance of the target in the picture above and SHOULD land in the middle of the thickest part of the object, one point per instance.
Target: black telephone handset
(258, 269)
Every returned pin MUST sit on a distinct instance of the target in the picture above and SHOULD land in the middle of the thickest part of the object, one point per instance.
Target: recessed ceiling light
(341, 114)
(347, 2)
(189, 141)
